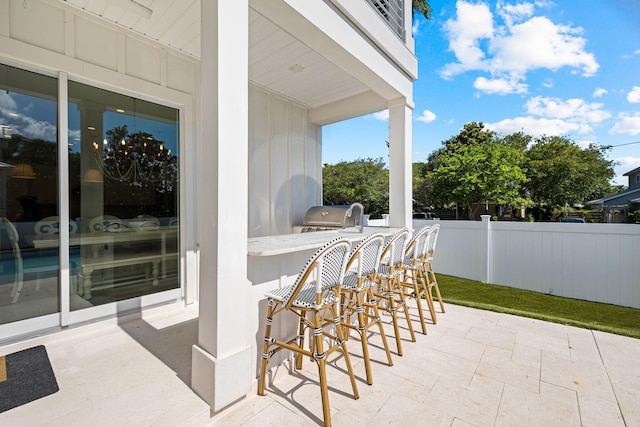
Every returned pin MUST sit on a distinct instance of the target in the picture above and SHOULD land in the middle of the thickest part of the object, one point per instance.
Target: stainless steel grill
(334, 217)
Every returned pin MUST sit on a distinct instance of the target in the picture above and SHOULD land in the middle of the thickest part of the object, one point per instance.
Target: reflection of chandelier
(133, 158)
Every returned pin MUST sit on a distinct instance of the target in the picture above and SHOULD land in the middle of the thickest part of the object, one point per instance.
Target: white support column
(221, 361)
(400, 158)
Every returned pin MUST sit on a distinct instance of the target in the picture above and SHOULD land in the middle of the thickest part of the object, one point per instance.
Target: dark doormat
(25, 376)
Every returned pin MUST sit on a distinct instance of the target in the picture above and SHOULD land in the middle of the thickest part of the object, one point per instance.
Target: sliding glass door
(29, 280)
(123, 196)
(120, 231)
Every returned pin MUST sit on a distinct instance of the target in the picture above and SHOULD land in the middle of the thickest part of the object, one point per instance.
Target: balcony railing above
(391, 11)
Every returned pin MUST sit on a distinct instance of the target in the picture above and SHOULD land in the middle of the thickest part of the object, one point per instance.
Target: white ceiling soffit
(277, 61)
(283, 64)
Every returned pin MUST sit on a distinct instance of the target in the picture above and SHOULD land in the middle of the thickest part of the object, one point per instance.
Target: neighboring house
(616, 206)
(634, 179)
(228, 99)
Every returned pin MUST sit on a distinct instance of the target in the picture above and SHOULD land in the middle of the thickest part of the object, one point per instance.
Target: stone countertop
(289, 243)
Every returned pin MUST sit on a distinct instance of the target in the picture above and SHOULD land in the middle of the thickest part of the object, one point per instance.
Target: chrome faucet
(357, 220)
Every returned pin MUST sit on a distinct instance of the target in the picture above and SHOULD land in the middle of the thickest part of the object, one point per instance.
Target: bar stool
(431, 281)
(313, 299)
(357, 296)
(413, 278)
(390, 294)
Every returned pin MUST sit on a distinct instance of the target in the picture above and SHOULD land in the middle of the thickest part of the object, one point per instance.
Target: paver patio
(474, 368)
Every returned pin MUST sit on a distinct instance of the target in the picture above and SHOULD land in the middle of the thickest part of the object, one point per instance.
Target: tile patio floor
(474, 368)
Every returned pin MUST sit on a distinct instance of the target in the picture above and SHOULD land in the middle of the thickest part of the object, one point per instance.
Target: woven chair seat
(350, 282)
(419, 265)
(384, 271)
(305, 299)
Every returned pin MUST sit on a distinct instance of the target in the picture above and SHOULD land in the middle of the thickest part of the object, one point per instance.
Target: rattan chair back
(326, 267)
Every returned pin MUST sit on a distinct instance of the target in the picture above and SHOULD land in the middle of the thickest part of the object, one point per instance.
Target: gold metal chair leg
(418, 299)
(434, 283)
(301, 332)
(324, 391)
(265, 354)
(415, 285)
(426, 290)
(406, 313)
(320, 357)
(343, 345)
(393, 309)
(362, 329)
(432, 308)
(378, 321)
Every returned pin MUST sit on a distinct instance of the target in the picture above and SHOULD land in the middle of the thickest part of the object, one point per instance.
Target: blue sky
(566, 67)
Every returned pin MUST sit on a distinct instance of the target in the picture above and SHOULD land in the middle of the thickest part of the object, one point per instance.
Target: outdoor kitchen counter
(290, 243)
(274, 262)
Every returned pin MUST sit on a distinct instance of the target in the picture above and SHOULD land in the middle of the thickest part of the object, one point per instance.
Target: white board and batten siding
(285, 171)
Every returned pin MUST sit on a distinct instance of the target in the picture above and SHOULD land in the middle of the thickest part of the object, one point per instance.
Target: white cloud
(554, 117)
(36, 129)
(514, 12)
(427, 117)
(415, 28)
(499, 86)
(585, 143)
(539, 43)
(538, 126)
(23, 124)
(7, 103)
(474, 22)
(574, 109)
(628, 163)
(509, 51)
(381, 115)
(627, 56)
(629, 124)
(634, 96)
(599, 92)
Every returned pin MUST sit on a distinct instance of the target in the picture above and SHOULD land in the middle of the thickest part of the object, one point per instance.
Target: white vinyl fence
(593, 262)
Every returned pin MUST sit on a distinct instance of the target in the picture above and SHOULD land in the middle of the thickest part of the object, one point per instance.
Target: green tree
(35, 151)
(421, 186)
(518, 140)
(475, 166)
(561, 173)
(422, 7)
(364, 180)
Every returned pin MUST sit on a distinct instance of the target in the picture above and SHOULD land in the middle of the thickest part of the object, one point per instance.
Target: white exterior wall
(49, 38)
(593, 262)
(237, 141)
(285, 170)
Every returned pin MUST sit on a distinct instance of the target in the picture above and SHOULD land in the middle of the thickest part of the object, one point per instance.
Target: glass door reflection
(123, 175)
(29, 283)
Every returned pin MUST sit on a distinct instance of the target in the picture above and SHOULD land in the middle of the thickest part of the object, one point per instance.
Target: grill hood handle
(358, 214)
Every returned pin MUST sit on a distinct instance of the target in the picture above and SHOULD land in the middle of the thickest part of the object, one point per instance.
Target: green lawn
(503, 299)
